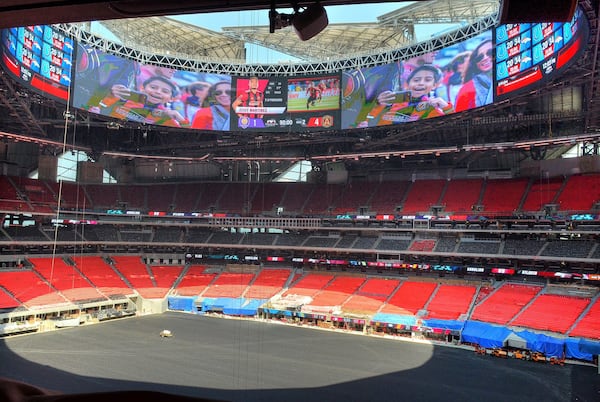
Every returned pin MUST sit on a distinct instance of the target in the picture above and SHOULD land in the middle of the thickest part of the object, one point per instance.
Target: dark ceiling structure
(522, 118)
(31, 12)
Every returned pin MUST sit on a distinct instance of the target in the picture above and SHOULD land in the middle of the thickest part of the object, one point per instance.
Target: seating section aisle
(295, 196)
(229, 284)
(7, 301)
(322, 198)
(195, 281)
(451, 301)
(580, 193)
(9, 199)
(409, 298)
(160, 197)
(39, 195)
(135, 271)
(353, 197)
(388, 196)
(268, 283)
(309, 285)
(236, 197)
(540, 193)
(501, 306)
(503, 196)
(66, 279)
(134, 197)
(371, 296)
(102, 275)
(164, 277)
(72, 195)
(29, 288)
(186, 197)
(556, 313)
(209, 195)
(461, 195)
(484, 291)
(267, 197)
(337, 291)
(589, 325)
(103, 196)
(422, 195)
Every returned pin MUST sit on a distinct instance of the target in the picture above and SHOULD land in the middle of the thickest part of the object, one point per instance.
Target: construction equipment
(538, 357)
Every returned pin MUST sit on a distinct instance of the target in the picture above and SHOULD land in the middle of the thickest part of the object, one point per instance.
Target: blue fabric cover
(408, 320)
(483, 334)
(453, 325)
(231, 306)
(576, 349)
(551, 347)
(179, 303)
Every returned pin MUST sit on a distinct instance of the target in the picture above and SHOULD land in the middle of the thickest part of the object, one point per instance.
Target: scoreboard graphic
(278, 104)
(39, 57)
(526, 53)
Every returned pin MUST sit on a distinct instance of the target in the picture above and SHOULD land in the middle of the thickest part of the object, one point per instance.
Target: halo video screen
(526, 53)
(462, 76)
(40, 57)
(128, 90)
(456, 78)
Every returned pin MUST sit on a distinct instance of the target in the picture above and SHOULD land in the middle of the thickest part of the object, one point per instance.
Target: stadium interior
(478, 228)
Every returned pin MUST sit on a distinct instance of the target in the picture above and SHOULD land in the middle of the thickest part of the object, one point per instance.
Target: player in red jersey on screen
(313, 93)
(252, 97)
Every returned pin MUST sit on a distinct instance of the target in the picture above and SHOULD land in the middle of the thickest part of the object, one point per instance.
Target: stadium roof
(163, 35)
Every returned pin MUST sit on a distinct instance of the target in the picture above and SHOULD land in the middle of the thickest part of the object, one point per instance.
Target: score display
(39, 57)
(283, 104)
(526, 53)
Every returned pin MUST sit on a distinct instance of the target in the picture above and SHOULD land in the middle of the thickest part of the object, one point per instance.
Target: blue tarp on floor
(591, 347)
(452, 325)
(180, 303)
(576, 349)
(273, 311)
(407, 320)
(232, 306)
(551, 347)
(485, 335)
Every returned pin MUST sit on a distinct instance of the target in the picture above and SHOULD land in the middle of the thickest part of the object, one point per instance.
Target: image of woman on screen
(477, 89)
(197, 94)
(216, 116)
(149, 105)
(453, 76)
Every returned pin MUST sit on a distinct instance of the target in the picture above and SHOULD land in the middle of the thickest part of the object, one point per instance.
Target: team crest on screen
(327, 121)
(244, 122)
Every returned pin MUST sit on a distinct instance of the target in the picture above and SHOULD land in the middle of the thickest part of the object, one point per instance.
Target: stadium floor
(239, 360)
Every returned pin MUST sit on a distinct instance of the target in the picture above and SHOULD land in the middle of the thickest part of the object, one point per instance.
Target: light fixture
(307, 23)
(113, 125)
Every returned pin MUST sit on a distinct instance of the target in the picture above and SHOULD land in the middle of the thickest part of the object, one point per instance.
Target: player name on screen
(260, 110)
